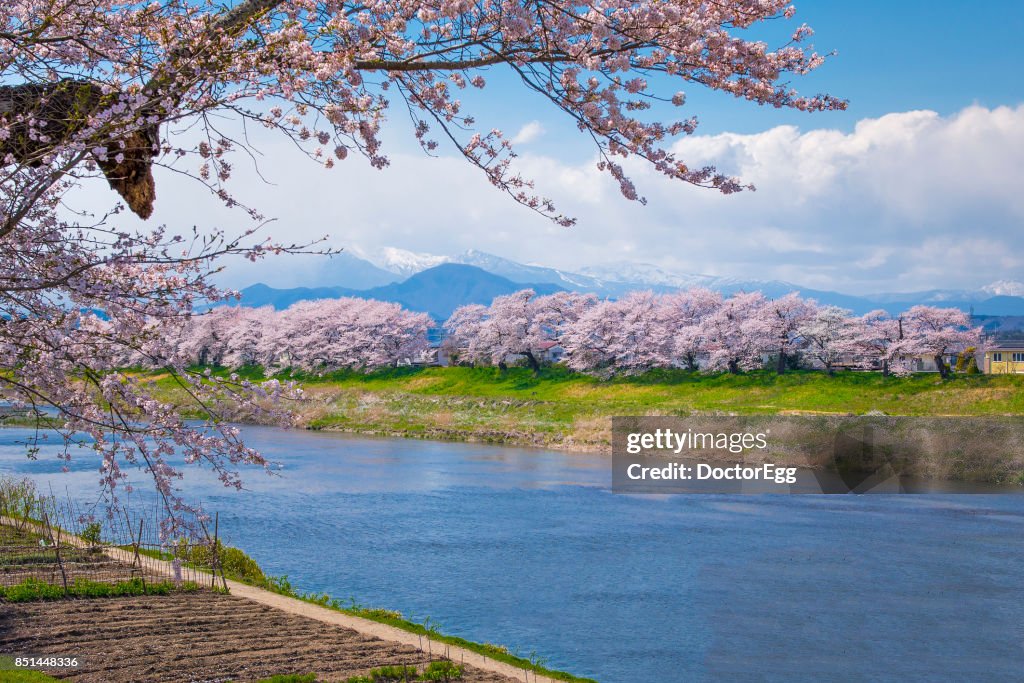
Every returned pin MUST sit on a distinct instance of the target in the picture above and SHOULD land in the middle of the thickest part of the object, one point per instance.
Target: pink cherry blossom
(109, 90)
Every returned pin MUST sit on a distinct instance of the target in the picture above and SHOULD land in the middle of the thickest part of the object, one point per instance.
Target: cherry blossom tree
(733, 343)
(629, 335)
(832, 334)
(879, 334)
(251, 338)
(643, 330)
(350, 333)
(781, 320)
(209, 338)
(322, 72)
(231, 336)
(590, 342)
(517, 324)
(106, 91)
(936, 332)
(508, 329)
(686, 313)
(463, 328)
(311, 335)
(555, 314)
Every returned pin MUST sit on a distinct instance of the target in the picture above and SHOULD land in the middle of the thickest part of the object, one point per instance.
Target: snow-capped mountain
(1011, 288)
(649, 276)
(404, 263)
(1005, 288)
(401, 262)
(646, 273)
(525, 273)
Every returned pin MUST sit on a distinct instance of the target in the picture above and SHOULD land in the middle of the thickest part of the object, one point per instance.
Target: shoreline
(569, 412)
(805, 446)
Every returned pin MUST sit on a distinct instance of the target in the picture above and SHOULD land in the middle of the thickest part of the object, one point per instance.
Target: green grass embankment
(561, 409)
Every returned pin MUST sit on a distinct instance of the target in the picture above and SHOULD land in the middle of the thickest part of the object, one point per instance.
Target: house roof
(1007, 345)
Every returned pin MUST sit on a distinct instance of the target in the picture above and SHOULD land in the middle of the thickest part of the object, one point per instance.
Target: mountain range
(437, 291)
(438, 284)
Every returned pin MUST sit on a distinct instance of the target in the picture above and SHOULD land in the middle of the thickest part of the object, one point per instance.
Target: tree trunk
(940, 363)
(885, 368)
(66, 106)
(780, 367)
(532, 361)
(734, 367)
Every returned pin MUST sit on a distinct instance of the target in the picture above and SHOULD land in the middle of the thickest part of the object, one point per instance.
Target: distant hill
(437, 291)
(262, 295)
(1001, 325)
(992, 306)
(524, 273)
(348, 270)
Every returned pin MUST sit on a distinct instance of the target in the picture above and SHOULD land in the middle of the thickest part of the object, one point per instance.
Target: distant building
(435, 355)
(553, 353)
(926, 363)
(437, 351)
(1005, 358)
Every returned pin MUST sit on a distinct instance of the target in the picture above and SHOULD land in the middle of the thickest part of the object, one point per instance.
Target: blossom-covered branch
(111, 90)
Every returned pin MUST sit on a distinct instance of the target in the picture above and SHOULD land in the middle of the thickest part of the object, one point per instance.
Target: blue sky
(892, 56)
(901, 55)
(916, 186)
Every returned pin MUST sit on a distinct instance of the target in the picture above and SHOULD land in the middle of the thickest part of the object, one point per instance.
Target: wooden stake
(56, 548)
(216, 554)
(137, 561)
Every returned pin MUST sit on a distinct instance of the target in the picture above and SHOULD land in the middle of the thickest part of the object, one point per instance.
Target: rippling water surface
(530, 549)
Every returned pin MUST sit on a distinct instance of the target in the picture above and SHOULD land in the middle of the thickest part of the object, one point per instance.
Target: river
(530, 549)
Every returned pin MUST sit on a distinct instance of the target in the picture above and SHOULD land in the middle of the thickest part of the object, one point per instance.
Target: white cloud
(528, 133)
(909, 200)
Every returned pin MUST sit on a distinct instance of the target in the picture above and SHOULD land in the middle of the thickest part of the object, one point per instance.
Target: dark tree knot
(65, 107)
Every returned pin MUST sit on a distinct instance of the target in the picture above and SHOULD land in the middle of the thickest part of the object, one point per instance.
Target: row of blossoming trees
(700, 329)
(311, 335)
(696, 329)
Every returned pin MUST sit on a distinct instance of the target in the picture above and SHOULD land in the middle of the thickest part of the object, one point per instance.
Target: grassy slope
(559, 408)
(26, 676)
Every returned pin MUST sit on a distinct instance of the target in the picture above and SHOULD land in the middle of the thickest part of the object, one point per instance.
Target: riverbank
(558, 409)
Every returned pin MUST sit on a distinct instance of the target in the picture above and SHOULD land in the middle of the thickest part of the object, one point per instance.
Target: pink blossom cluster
(520, 324)
(70, 316)
(700, 329)
(108, 90)
(315, 336)
(327, 74)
